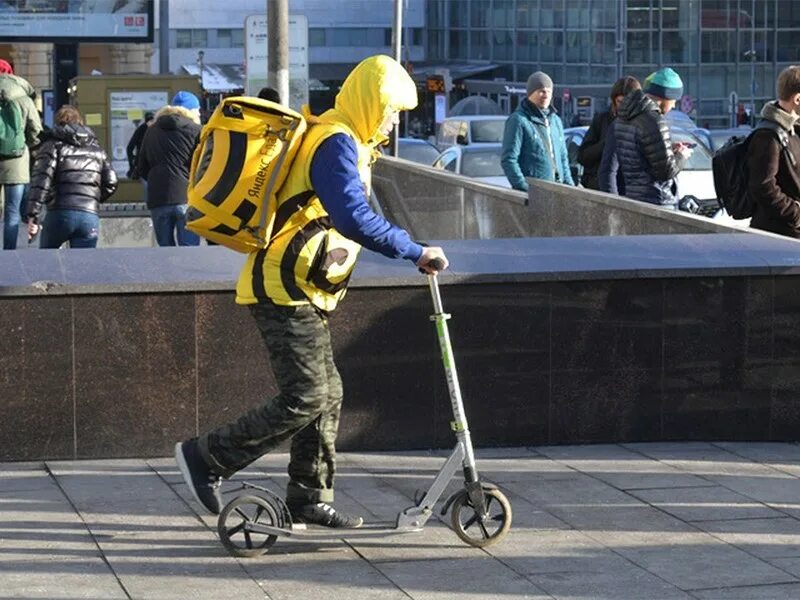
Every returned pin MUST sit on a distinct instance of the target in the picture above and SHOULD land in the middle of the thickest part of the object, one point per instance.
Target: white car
(470, 129)
(479, 161)
(695, 179)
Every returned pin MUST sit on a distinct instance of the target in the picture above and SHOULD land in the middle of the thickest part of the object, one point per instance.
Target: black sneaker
(324, 515)
(203, 482)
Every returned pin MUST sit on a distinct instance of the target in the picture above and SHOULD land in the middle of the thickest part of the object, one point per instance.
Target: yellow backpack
(243, 158)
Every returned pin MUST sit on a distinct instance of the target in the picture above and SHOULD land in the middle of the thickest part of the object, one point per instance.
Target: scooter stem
(459, 423)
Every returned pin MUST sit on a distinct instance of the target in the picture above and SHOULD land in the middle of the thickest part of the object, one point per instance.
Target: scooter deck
(301, 530)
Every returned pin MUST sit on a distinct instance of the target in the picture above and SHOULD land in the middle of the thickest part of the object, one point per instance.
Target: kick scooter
(480, 514)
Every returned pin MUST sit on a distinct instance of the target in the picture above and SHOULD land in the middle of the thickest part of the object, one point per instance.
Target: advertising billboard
(76, 20)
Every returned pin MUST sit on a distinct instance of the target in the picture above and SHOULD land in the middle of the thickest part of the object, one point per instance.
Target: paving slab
(783, 591)
(709, 503)
(478, 577)
(765, 538)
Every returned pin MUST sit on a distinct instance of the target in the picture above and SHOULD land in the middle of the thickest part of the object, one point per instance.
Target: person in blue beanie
(648, 159)
(164, 162)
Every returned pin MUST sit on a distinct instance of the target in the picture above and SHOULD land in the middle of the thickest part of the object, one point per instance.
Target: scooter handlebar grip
(436, 263)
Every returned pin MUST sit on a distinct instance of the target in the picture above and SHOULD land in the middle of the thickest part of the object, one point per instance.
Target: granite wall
(541, 362)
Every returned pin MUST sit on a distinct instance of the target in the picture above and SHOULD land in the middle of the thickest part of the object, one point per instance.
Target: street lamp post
(751, 54)
(200, 65)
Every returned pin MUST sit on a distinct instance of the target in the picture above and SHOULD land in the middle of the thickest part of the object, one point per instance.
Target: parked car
(718, 137)
(481, 162)
(415, 150)
(470, 129)
(695, 179)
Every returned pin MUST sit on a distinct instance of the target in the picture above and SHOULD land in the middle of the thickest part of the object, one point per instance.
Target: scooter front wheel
(233, 522)
(481, 531)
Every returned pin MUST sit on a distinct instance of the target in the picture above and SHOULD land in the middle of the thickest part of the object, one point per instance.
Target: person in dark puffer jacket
(164, 161)
(591, 151)
(649, 160)
(72, 175)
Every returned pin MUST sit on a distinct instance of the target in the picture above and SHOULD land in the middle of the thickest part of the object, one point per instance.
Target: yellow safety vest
(307, 260)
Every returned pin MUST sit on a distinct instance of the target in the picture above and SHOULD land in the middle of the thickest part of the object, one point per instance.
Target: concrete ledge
(204, 268)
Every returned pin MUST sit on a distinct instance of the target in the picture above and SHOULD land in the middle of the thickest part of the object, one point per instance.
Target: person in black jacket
(72, 175)
(773, 174)
(135, 145)
(164, 161)
(648, 159)
(591, 150)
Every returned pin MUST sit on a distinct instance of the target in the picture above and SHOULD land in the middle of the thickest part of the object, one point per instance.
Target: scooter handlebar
(436, 263)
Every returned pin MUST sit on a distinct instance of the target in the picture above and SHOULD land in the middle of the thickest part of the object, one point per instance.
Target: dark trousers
(306, 409)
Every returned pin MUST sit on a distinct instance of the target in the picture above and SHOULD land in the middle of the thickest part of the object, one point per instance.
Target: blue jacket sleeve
(609, 165)
(512, 146)
(334, 175)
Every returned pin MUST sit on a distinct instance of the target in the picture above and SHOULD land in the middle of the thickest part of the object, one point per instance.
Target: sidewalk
(611, 522)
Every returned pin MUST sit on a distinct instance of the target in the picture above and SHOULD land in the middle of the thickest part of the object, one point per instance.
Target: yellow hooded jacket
(307, 260)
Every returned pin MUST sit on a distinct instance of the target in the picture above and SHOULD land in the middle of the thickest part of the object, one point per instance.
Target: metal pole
(408, 61)
(278, 47)
(397, 45)
(163, 36)
(753, 64)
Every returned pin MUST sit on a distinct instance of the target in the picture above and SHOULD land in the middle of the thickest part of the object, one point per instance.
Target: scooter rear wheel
(473, 530)
(234, 519)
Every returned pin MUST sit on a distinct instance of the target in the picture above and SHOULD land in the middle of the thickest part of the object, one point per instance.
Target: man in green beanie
(649, 160)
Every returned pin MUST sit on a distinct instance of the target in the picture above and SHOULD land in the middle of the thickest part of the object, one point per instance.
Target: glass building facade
(717, 46)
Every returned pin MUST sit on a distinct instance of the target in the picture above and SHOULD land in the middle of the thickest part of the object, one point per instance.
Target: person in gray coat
(16, 98)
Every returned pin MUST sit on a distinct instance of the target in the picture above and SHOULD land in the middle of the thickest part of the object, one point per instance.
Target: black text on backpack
(729, 167)
(12, 128)
(243, 158)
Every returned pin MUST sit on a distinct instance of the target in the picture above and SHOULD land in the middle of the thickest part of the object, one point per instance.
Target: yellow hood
(378, 85)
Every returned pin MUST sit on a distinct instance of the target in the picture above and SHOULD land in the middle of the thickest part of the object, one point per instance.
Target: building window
(638, 47)
(191, 38)
(718, 46)
(678, 46)
(551, 46)
(458, 44)
(639, 12)
(528, 45)
(502, 14)
(480, 13)
(479, 49)
(527, 14)
(316, 36)
(459, 13)
(230, 38)
(183, 38)
(503, 45)
(552, 14)
(604, 48)
(578, 14)
(348, 36)
(577, 46)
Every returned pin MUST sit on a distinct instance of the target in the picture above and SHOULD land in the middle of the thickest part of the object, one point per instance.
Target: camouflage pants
(306, 409)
